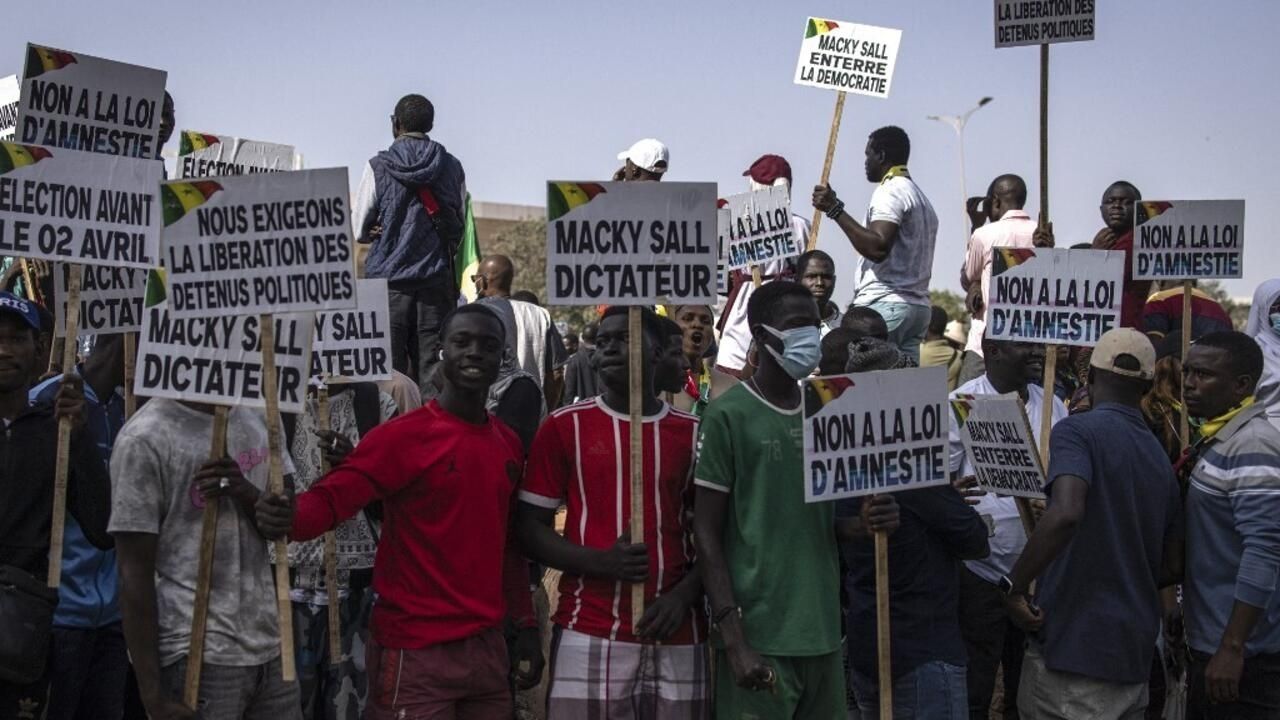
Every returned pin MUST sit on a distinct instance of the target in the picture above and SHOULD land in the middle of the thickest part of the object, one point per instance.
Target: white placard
(81, 102)
(755, 228)
(839, 55)
(1052, 296)
(110, 299)
(1042, 22)
(1188, 239)
(219, 359)
(638, 243)
(206, 155)
(9, 92)
(263, 243)
(999, 445)
(80, 207)
(355, 345)
(873, 433)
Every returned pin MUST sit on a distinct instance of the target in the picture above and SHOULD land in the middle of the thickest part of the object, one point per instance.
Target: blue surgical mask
(801, 350)
(1275, 322)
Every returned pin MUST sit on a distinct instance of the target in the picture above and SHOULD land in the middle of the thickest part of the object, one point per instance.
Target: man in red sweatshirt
(445, 575)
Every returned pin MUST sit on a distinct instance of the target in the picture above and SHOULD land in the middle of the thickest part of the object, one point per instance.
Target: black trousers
(991, 640)
(417, 311)
(1259, 690)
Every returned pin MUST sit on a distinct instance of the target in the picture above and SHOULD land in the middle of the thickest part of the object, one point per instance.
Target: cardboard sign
(355, 345)
(205, 155)
(839, 55)
(263, 243)
(755, 228)
(1057, 297)
(218, 359)
(998, 442)
(1042, 22)
(110, 299)
(1188, 239)
(877, 432)
(79, 207)
(631, 243)
(80, 102)
(9, 93)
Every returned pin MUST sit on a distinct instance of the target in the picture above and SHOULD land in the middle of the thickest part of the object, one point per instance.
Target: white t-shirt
(904, 276)
(999, 512)
(154, 458)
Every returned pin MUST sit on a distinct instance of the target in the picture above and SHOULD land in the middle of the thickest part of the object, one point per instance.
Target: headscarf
(1259, 328)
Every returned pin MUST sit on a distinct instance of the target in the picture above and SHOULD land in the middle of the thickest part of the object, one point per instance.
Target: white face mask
(801, 350)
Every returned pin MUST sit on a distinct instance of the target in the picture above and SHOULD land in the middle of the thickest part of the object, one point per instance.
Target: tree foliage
(526, 244)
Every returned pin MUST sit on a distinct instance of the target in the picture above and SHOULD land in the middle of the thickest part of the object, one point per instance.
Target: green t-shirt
(781, 551)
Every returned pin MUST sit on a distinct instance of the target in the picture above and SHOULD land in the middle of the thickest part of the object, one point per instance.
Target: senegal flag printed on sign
(41, 60)
(178, 199)
(156, 292)
(14, 156)
(818, 26)
(565, 196)
(193, 141)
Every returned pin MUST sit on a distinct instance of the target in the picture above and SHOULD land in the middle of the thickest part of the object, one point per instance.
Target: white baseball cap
(647, 154)
(956, 332)
(1125, 341)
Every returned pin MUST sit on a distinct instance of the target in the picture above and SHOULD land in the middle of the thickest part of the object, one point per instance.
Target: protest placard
(205, 155)
(839, 55)
(219, 359)
(254, 244)
(1056, 297)
(355, 345)
(79, 207)
(1042, 22)
(631, 243)
(877, 432)
(999, 445)
(110, 300)
(755, 228)
(1188, 239)
(80, 102)
(9, 93)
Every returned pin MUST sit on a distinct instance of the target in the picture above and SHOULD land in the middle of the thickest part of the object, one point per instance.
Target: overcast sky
(1177, 96)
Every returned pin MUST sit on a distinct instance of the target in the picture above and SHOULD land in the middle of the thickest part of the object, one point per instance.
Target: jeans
(417, 311)
(1259, 690)
(907, 324)
(992, 641)
(334, 692)
(90, 667)
(251, 692)
(932, 691)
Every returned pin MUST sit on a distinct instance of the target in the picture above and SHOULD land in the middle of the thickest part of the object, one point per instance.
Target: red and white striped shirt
(580, 457)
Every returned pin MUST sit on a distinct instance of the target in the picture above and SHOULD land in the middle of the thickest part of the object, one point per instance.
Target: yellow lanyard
(895, 171)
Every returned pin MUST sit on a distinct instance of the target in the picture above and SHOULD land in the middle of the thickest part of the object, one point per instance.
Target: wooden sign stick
(1184, 429)
(884, 660)
(204, 571)
(130, 367)
(29, 283)
(756, 278)
(284, 608)
(826, 165)
(635, 342)
(1044, 134)
(63, 464)
(330, 543)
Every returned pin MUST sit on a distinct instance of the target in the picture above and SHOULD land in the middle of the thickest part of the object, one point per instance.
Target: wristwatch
(1007, 588)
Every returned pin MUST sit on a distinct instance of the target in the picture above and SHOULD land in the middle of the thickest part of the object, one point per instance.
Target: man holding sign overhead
(895, 245)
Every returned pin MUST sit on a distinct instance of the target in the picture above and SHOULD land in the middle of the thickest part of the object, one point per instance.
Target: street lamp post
(957, 123)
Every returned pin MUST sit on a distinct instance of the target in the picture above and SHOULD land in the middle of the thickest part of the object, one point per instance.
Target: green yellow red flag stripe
(41, 60)
(13, 156)
(1004, 258)
(156, 291)
(818, 26)
(193, 141)
(565, 196)
(178, 199)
